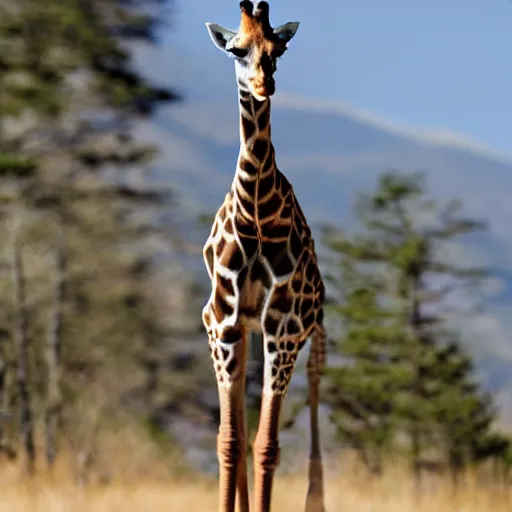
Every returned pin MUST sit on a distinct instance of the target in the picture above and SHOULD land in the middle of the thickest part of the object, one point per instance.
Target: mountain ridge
(330, 152)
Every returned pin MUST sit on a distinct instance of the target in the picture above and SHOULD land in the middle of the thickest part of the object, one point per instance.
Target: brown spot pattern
(261, 227)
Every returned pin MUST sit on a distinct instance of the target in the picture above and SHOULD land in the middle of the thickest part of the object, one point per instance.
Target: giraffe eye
(239, 52)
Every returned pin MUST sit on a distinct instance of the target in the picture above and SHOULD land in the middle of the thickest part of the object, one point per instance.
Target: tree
(362, 392)
(20, 337)
(86, 253)
(406, 372)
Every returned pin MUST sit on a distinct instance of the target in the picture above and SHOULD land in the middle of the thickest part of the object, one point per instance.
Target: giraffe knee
(267, 453)
(228, 449)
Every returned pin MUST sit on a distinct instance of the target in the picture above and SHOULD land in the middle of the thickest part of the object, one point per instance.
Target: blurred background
(118, 142)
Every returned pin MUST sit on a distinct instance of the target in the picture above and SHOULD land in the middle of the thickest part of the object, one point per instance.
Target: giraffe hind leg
(316, 361)
(242, 483)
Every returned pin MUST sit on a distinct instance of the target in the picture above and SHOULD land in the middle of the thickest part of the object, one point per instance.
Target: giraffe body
(261, 260)
(265, 280)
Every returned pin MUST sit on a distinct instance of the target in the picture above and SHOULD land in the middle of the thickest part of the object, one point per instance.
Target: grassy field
(393, 493)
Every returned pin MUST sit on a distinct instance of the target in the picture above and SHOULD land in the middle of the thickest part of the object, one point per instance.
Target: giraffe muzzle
(265, 89)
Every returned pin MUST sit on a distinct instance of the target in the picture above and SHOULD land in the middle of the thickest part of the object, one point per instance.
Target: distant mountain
(330, 152)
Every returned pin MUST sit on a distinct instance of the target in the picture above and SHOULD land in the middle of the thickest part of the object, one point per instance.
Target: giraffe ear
(220, 36)
(286, 32)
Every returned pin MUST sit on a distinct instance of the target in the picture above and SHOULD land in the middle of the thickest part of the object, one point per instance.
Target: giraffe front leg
(228, 352)
(280, 357)
(266, 450)
(242, 482)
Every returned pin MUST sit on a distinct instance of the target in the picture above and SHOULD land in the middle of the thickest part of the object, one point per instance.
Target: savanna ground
(349, 491)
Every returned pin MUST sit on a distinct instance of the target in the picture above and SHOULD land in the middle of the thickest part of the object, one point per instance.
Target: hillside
(330, 152)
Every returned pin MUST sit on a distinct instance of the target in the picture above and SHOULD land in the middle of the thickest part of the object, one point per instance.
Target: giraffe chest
(252, 296)
(254, 282)
(248, 260)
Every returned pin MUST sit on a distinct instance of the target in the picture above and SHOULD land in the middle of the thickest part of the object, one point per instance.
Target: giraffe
(260, 257)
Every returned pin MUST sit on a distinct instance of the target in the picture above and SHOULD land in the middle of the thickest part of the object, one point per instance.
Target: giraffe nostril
(265, 86)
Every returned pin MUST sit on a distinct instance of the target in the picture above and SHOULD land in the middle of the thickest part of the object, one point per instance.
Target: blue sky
(435, 63)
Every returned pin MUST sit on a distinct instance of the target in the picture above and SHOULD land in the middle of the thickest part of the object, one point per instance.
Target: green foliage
(43, 42)
(15, 165)
(98, 304)
(405, 374)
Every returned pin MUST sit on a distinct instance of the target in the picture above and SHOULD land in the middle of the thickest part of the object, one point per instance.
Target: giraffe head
(255, 47)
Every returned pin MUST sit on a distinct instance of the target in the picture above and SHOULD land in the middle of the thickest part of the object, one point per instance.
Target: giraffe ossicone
(260, 257)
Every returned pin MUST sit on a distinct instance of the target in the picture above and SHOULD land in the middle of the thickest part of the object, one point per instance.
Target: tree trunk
(53, 352)
(416, 457)
(371, 458)
(415, 329)
(21, 341)
(455, 474)
(6, 393)
(4, 407)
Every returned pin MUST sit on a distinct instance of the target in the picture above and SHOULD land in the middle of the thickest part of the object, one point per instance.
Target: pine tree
(362, 392)
(404, 370)
(85, 252)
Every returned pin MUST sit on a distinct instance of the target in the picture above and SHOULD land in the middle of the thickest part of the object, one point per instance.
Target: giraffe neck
(256, 168)
(255, 140)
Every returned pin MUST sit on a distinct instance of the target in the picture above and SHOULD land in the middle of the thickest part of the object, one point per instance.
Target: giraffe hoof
(315, 498)
(314, 504)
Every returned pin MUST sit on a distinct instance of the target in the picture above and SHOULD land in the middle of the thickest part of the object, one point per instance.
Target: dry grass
(393, 493)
